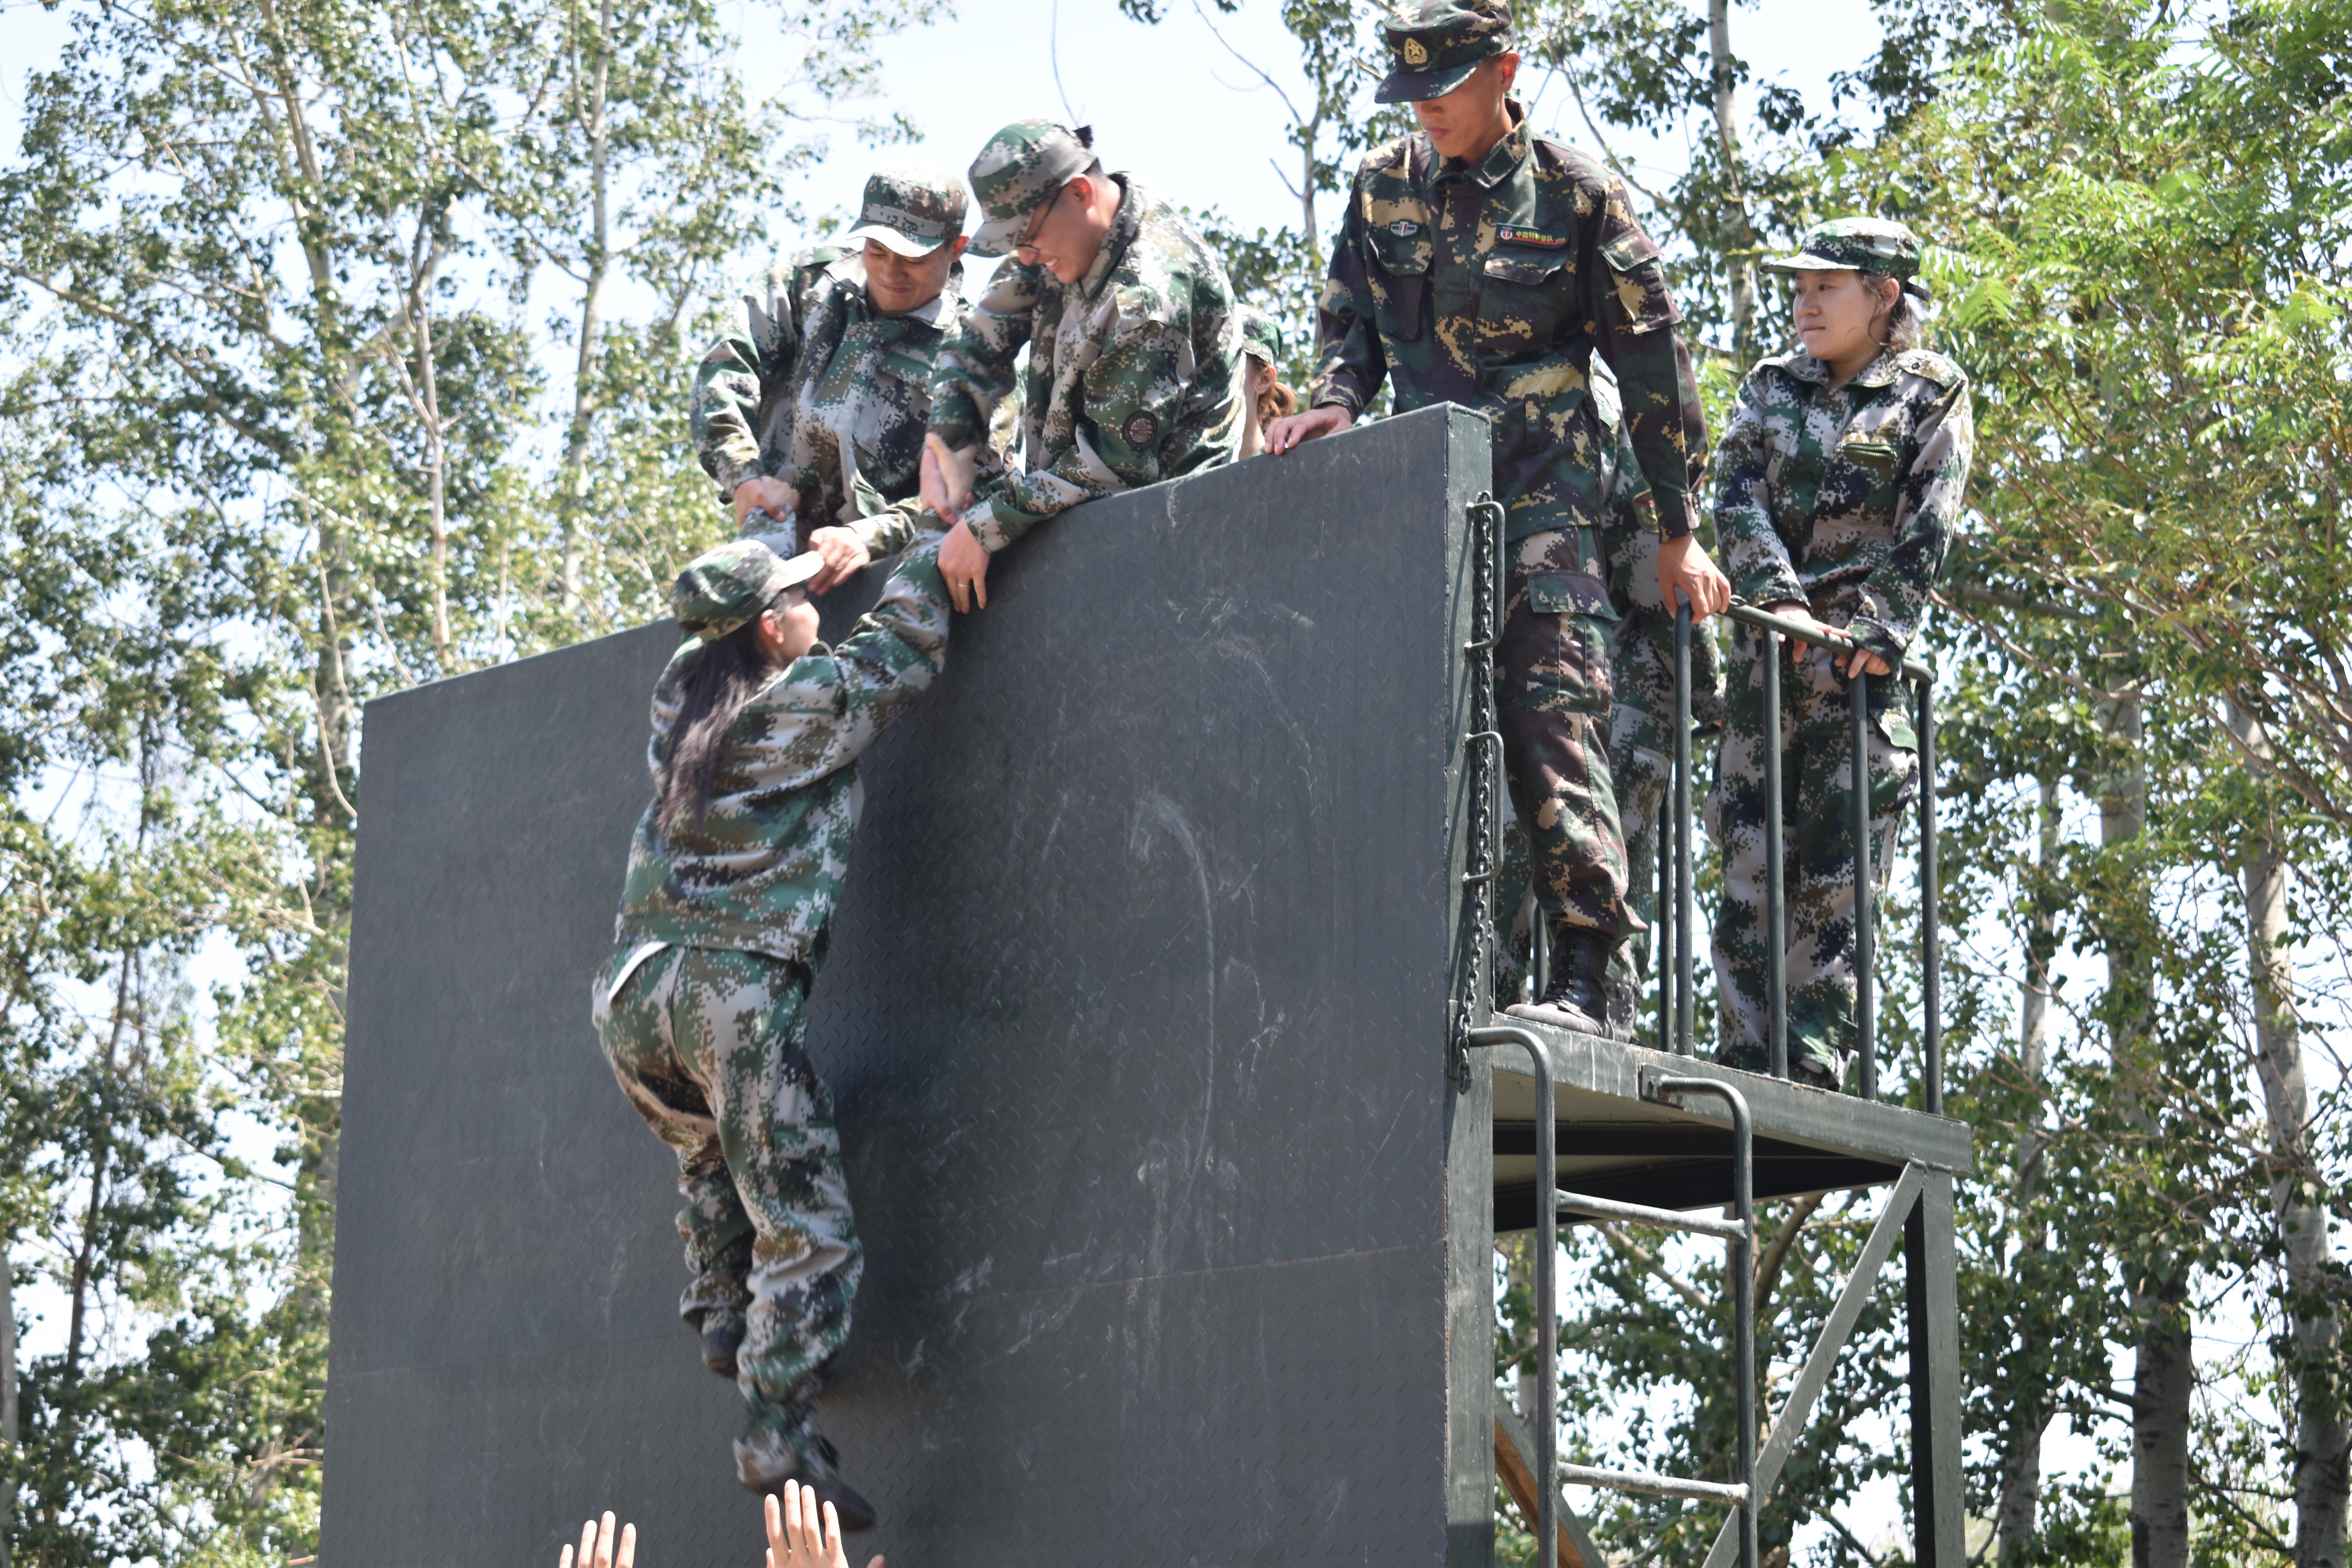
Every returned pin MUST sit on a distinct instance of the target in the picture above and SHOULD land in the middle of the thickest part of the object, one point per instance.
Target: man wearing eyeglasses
(813, 406)
(1133, 373)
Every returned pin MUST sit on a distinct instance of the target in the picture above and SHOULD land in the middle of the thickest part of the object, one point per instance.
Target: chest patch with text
(1511, 234)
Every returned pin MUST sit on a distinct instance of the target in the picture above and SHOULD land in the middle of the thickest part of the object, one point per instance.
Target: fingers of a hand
(609, 1538)
(587, 1546)
(628, 1558)
(980, 583)
(778, 1549)
(565, 1561)
(832, 1558)
(875, 1563)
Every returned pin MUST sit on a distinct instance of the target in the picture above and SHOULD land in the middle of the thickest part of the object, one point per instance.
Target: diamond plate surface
(1136, 1021)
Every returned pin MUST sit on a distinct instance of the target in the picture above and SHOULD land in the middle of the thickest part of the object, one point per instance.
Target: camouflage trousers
(1817, 847)
(1552, 694)
(1641, 729)
(707, 1045)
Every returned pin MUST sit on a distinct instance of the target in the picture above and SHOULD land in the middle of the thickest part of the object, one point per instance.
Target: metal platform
(1613, 1142)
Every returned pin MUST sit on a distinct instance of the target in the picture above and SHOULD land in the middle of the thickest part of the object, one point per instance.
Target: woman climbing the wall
(733, 874)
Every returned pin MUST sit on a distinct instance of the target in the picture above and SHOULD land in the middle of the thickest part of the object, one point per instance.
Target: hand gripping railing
(1740, 1231)
(1673, 942)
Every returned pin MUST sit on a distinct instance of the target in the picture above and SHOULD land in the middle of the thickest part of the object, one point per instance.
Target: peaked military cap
(1260, 336)
(1022, 165)
(723, 589)
(1878, 245)
(1436, 44)
(913, 208)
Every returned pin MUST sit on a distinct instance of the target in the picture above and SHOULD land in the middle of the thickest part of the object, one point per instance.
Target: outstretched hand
(963, 567)
(798, 1538)
(597, 1541)
(1325, 419)
(945, 480)
(843, 553)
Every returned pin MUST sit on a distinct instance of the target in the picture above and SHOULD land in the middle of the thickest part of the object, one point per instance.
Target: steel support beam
(1939, 1507)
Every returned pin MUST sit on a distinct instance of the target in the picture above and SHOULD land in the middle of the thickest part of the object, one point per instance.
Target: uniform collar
(1122, 234)
(1502, 160)
(1879, 371)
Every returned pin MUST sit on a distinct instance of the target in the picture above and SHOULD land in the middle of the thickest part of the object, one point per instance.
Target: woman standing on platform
(1836, 486)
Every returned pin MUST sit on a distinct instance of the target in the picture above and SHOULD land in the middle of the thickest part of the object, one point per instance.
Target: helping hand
(765, 494)
(596, 1543)
(963, 565)
(1325, 419)
(844, 556)
(797, 1538)
(1684, 568)
(946, 482)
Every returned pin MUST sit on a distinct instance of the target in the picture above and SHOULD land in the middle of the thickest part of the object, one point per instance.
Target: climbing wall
(1136, 1014)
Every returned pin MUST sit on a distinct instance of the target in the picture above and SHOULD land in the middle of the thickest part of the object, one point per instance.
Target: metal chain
(1482, 768)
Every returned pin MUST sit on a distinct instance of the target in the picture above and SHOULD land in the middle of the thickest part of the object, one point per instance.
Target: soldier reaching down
(1128, 314)
(816, 400)
(1482, 265)
(733, 873)
(1842, 470)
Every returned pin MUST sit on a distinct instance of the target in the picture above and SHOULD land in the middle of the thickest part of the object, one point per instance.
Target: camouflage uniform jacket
(1134, 371)
(761, 870)
(1492, 285)
(1844, 497)
(815, 386)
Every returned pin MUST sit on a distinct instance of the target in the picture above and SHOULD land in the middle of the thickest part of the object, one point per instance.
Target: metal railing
(1673, 938)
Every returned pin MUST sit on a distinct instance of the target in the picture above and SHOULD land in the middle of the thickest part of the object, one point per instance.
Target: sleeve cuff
(996, 525)
(1331, 394)
(1876, 637)
(732, 471)
(1677, 515)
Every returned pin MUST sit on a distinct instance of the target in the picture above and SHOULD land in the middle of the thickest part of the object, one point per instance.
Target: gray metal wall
(1136, 1018)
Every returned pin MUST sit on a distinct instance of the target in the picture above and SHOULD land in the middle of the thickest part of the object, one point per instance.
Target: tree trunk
(2163, 1370)
(436, 455)
(573, 487)
(2015, 1517)
(2321, 1439)
(1737, 230)
(8, 1438)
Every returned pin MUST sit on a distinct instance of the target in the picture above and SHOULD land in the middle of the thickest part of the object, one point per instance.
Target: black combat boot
(1578, 996)
(722, 1339)
(765, 1461)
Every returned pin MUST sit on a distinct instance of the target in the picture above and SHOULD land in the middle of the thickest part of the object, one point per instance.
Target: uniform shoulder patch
(1929, 365)
(1396, 154)
(1560, 160)
(1142, 428)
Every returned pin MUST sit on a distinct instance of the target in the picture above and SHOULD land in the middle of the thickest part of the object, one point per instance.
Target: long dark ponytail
(730, 673)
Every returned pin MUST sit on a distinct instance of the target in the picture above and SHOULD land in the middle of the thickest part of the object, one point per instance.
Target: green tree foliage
(342, 348)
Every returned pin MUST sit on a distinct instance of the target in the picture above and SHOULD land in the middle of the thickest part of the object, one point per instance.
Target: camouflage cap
(1260, 336)
(723, 589)
(1022, 165)
(1438, 43)
(913, 208)
(1873, 245)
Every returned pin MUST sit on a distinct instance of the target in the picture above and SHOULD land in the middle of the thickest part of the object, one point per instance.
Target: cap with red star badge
(1436, 44)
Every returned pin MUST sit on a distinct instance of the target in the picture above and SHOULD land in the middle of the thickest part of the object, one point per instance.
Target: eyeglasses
(1028, 240)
